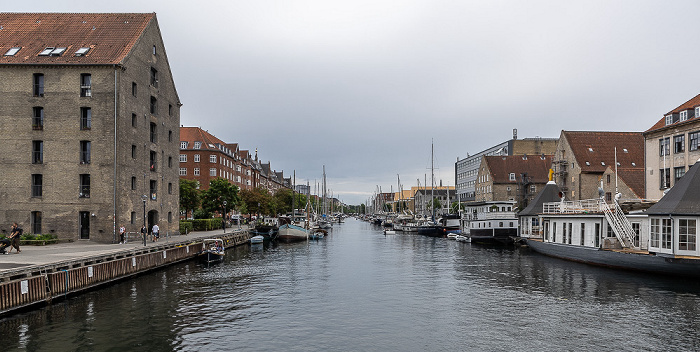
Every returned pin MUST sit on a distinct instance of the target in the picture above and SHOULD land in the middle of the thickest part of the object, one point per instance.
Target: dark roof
(550, 193)
(536, 166)
(598, 150)
(683, 198)
(110, 36)
(690, 104)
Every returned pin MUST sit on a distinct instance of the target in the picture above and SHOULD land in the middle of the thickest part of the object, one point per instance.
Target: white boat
(462, 238)
(212, 250)
(389, 232)
(452, 236)
(292, 233)
(257, 239)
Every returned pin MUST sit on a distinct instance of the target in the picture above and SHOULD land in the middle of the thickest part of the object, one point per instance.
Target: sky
(365, 88)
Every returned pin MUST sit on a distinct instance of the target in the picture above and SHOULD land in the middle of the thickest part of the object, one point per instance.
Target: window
(154, 77)
(37, 183)
(85, 118)
(196, 158)
(687, 234)
(170, 188)
(133, 120)
(154, 50)
(664, 178)
(196, 171)
(636, 228)
(154, 106)
(170, 136)
(133, 217)
(684, 115)
(679, 144)
(693, 140)
(57, 52)
(183, 145)
(597, 235)
(38, 118)
(46, 51)
(511, 177)
(170, 162)
(170, 216)
(212, 171)
(154, 133)
(37, 152)
(38, 84)
(608, 196)
(183, 158)
(583, 233)
(533, 189)
(669, 119)
(608, 178)
(664, 146)
(170, 109)
(12, 51)
(183, 171)
(35, 222)
(133, 151)
(678, 172)
(554, 232)
(84, 152)
(84, 186)
(212, 158)
(134, 88)
(85, 85)
(666, 233)
(82, 51)
(153, 189)
(153, 159)
(571, 231)
(133, 183)
(197, 145)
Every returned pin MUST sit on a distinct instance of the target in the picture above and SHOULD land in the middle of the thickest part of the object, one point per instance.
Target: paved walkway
(56, 253)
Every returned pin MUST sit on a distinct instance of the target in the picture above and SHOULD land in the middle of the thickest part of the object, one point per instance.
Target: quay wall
(41, 284)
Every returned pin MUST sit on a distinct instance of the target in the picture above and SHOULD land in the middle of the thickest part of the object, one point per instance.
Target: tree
(190, 197)
(220, 190)
(257, 201)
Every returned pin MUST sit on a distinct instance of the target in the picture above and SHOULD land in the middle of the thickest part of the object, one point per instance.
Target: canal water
(358, 290)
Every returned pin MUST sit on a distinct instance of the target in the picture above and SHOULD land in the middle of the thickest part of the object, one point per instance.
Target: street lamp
(223, 218)
(143, 198)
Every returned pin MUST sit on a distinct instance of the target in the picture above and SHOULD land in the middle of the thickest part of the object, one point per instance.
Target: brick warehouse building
(89, 115)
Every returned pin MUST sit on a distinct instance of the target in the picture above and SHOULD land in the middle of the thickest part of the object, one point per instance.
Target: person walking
(122, 231)
(156, 232)
(14, 236)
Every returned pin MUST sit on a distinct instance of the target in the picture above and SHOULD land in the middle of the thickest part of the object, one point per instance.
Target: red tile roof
(110, 36)
(535, 166)
(598, 149)
(196, 134)
(690, 104)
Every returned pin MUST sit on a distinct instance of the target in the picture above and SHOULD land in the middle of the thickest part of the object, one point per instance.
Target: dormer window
(57, 52)
(697, 111)
(669, 119)
(197, 145)
(183, 145)
(12, 51)
(684, 115)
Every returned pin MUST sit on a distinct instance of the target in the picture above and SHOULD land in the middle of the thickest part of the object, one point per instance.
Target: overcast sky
(363, 87)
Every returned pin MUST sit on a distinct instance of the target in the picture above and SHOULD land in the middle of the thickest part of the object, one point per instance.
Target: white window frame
(197, 145)
(183, 158)
(212, 159)
(183, 145)
(511, 176)
(212, 171)
(196, 158)
(196, 171)
(183, 171)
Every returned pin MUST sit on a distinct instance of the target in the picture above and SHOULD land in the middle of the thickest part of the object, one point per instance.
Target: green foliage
(186, 226)
(257, 201)
(201, 214)
(190, 195)
(206, 224)
(220, 190)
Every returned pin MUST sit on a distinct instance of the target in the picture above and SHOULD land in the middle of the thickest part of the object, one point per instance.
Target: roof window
(590, 149)
(588, 163)
(602, 163)
(634, 164)
(12, 51)
(625, 150)
(57, 52)
(82, 51)
(46, 51)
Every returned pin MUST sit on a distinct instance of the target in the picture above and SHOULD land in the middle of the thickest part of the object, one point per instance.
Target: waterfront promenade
(71, 251)
(40, 274)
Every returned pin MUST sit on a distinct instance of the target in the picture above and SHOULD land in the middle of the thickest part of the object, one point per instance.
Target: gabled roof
(683, 198)
(536, 166)
(690, 104)
(196, 134)
(110, 36)
(550, 193)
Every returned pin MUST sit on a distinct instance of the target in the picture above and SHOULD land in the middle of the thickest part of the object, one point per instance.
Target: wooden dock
(25, 287)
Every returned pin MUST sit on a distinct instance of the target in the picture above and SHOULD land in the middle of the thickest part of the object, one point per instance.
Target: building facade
(90, 106)
(467, 169)
(672, 147)
(515, 178)
(584, 161)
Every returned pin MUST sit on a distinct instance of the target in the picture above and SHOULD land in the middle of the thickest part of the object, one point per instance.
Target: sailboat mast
(432, 180)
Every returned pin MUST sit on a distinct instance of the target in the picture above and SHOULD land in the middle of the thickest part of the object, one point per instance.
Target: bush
(206, 224)
(186, 226)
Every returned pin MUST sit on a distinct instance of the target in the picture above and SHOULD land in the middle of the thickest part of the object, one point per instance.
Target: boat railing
(489, 216)
(573, 207)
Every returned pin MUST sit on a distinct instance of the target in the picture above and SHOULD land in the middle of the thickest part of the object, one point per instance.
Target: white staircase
(620, 225)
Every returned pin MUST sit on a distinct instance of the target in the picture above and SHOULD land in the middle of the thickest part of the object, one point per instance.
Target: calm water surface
(358, 290)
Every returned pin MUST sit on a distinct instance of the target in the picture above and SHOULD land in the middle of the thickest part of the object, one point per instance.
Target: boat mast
(432, 180)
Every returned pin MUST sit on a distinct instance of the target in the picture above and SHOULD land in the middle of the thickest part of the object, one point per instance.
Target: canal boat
(257, 239)
(292, 233)
(490, 222)
(662, 239)
(212, 251)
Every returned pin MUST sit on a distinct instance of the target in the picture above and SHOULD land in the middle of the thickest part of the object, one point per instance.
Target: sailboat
(431, 228)
(288, 232)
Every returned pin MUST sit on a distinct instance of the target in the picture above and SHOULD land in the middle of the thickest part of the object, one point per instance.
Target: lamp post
(143, 198)
(223, 218)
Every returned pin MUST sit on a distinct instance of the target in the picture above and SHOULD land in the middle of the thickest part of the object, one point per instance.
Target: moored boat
(257, 239)
(212, 251)
(292, 233)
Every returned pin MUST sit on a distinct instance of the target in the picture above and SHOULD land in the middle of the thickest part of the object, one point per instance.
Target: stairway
(620, 225)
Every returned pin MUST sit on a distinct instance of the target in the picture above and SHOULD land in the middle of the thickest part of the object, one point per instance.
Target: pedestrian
(122, 230)
(144, 233)
(156, 232)
(14, 236)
